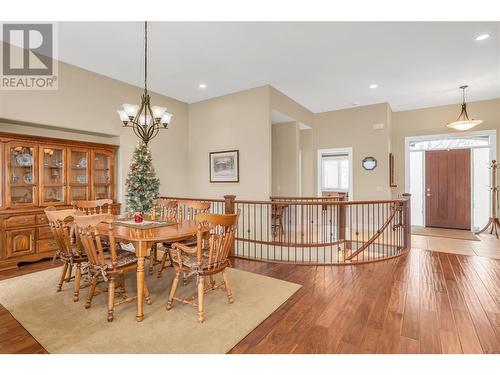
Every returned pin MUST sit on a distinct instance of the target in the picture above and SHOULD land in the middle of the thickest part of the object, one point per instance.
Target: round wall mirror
(369, 163)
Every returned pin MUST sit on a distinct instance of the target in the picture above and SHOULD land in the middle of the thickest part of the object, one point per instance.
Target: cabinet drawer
(42, 219)
(19, 242)
(44, 233)
(46, 245)
(19, 221)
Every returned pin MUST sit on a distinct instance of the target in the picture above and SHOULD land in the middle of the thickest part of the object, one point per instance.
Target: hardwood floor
(14, 339)
(425, 302)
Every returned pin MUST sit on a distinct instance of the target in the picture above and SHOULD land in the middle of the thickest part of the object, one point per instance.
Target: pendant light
(463, 122)
(146, 121)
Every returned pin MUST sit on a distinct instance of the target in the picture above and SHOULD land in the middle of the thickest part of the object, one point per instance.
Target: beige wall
(285, 164)
(239, 121)
(287, 106)
(88, 102)
(354, 128)
(308, 173)
(427, 121)
(283, 104)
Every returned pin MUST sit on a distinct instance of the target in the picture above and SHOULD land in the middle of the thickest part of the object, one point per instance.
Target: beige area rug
(63, 326)
(446, 233)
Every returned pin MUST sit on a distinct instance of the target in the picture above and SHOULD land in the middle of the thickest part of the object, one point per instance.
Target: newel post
(229, 204)
(407, 219)
(342, 220)
(229, 208)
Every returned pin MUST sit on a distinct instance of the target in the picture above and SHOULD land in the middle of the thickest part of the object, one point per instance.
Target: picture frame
(224, 166)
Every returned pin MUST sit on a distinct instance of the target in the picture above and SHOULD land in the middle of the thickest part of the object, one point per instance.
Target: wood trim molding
(392, 182)
(7, 137)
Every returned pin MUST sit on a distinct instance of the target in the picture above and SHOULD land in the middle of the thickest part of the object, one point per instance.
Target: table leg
(140, 288)
(141, 253)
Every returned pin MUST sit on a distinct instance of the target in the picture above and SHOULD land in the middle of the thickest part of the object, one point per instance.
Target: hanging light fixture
(146, 121)
(463, 122)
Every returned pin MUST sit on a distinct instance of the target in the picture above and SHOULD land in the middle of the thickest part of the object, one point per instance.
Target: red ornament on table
(138, 217)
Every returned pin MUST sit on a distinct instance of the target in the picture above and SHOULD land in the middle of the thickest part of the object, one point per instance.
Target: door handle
(429, 195)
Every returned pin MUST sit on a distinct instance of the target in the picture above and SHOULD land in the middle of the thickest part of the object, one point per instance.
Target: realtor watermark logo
(29, 60)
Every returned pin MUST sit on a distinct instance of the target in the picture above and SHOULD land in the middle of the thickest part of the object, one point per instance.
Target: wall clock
(369, 163)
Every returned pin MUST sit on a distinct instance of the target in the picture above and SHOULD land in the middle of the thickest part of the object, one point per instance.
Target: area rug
(446, 233)
(63, 326)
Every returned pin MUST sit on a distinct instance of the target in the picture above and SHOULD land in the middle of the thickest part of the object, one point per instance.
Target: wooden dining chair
(164, 210)
(188, 211)
(68, 250)
(109, 267)
(99, 206)
(208, 258)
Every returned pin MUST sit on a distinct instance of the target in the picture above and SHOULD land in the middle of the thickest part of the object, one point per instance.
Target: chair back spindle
(166, 209)
(193, 208)
(100, 206)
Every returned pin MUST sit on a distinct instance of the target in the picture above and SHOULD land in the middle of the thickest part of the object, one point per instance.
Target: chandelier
(463, 122)
(146, 121)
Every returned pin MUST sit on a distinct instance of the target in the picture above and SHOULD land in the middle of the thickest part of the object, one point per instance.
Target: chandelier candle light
(463, 122)
(146, 121)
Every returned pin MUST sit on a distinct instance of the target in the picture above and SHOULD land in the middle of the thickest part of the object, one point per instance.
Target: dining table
(143, 238)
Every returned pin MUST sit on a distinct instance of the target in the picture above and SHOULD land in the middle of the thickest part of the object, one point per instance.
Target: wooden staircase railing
(318, 230)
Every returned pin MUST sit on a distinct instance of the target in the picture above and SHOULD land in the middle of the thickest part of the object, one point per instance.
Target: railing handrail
(193, 199)
(293, 200)
(322, 203)
(340, 196)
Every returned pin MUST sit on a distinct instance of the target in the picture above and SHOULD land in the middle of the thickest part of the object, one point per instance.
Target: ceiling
(321, 65)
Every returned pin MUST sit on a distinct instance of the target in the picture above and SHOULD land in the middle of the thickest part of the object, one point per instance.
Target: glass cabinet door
(52, 175)
(79, 174)
(102, 178)
(21, 186)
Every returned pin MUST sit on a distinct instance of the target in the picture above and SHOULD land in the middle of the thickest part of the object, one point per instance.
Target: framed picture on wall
(224, 166)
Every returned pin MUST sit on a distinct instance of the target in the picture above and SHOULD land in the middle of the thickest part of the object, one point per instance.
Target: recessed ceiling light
(373, 86)
(482, 37)
(202, 86)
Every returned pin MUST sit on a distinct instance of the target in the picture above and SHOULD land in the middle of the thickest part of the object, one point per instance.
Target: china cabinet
(102, 179)
(52, 168)
(36, 172)
(79, 174)
(21, 169)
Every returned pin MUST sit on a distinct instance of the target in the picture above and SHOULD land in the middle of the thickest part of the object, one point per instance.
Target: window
(446, 143)
(417, 187)
(335, 172)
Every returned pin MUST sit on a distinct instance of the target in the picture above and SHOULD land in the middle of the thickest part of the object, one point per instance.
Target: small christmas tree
(142, 184)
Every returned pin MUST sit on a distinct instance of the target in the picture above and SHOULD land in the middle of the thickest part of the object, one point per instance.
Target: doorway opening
(335, 171)
(448, 177)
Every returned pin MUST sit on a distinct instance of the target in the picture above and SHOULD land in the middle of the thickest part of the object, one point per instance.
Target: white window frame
(334, 151)
(492, 137)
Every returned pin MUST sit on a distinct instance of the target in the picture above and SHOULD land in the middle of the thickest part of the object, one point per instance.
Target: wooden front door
(448, 189)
